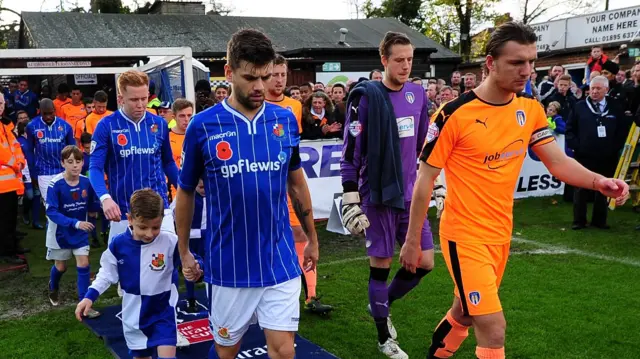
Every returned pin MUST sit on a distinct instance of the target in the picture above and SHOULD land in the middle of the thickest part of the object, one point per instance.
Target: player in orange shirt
(481, 140)
(75, 110)
(275, 94)
(99, 111)
(62, 98)
(81, 125)
(183, 110)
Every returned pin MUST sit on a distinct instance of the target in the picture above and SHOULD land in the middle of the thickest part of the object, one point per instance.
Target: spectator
(221, 93)
(469, 81)
(203, 95)
(317, 118)
(446, 94)
(595, 62)
(318, 86)
(596, 131)
(624, 78)
(634, 92)
(375, 75)
(563, 96)
(306, 89)
(616, 92)
(456, 80)
(337, 93)
(548, 87)
(441, 83)
(294, 93)
(417, 81)
(9, 110)
(45, 92)
(455, 92)
(164, 111)
(25, 100)
(559, 126)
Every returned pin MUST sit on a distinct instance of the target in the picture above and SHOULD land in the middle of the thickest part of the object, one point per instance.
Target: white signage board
(85, 79)
(550, 35)
(604, 27)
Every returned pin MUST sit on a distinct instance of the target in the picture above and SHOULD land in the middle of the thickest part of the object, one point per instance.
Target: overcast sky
(313, 9)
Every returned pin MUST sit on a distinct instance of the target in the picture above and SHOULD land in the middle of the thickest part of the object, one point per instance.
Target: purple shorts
(388, 226)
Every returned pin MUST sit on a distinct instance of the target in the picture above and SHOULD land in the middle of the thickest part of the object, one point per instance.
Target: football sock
(403, 282)
(191, 289)
(489, 353)
(54, 278)
(311, 277)
(379, 300)
(83, 281)
(447, 337)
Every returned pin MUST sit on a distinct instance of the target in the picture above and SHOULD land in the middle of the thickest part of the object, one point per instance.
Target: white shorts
(234, 309)
(116, 228)
(66, 254)
(43, 185)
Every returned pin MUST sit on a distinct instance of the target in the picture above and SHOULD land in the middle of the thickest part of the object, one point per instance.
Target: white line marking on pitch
(541, 251)
(622, 260)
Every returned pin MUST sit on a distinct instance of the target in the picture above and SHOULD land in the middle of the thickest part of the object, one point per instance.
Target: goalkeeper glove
(439, 193)
(353, 219)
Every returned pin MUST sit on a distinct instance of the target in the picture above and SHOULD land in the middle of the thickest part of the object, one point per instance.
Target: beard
(245, 99)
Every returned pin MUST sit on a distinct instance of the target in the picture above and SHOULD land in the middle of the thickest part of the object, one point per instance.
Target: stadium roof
(207, 35)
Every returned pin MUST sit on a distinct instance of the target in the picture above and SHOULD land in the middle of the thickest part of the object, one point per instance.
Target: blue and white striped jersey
(133, 155)
(245, 165)
(46, 143)
(146, 274)
(67, 206)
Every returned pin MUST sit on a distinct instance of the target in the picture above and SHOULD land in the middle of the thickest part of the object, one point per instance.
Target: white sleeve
(108, 273)
(203, 223)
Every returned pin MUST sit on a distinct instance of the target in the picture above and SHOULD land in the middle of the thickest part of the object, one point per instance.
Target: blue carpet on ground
(195, 327)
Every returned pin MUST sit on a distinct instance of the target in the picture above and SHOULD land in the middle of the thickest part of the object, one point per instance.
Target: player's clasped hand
(190, 267)
(353, 219)
(83, 308)
(86, 226)
(614, 188)
(111, 210)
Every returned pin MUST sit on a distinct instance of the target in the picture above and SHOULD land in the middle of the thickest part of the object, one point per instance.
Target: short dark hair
(24, 79)
(76, 88)
(596, 47)
(13, 81)
(222, 87)
(279, 60)
(373, 72)
(392, 38)
(100, 96)
(203, 85)
(87, 100)
(63, 88)
(509, 31)
(251, 46)
(71, 150)
(306, 84)
(415, 79)
(318, 82)
(294, 87)
(85, 138)
(181, 104)
(146, 204)
(21, 112)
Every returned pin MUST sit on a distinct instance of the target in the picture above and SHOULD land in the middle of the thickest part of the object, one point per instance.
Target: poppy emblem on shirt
(521, 117)
(122, 139)
(410, 97)
(40, 134)
(223, 150)
(84, 193)
(157, 262)
(75, 196)
(154, 128)
(224, 333)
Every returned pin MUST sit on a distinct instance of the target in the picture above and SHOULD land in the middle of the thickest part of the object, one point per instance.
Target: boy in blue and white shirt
(70, 200)
(47, 135)
(144, 260)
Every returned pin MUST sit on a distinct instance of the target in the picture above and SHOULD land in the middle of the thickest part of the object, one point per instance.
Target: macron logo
(220, 136)
(244, 166)
(137, 151)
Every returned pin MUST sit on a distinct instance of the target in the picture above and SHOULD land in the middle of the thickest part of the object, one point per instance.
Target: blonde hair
(133, 78)
(555, 105)
(146, 204)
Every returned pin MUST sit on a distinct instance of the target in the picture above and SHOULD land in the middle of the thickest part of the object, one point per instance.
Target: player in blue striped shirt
(47, 135)
(144, 259)
(132, 147)
(247, 152)
(70, 201)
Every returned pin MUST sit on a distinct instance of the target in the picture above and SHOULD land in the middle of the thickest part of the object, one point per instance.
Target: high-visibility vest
(11, 162)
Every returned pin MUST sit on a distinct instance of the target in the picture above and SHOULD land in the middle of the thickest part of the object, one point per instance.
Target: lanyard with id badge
(602, 130)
